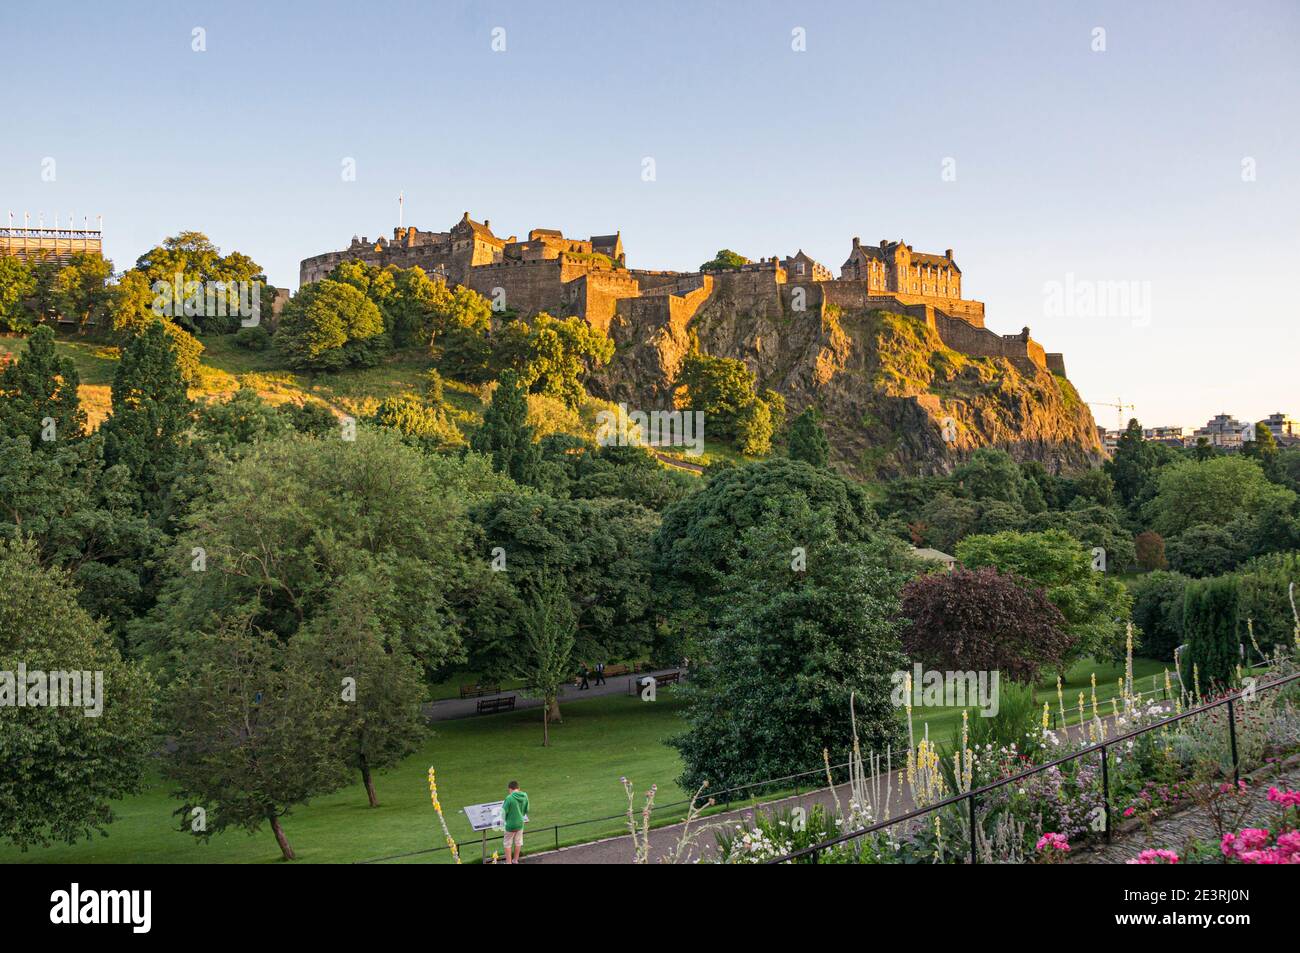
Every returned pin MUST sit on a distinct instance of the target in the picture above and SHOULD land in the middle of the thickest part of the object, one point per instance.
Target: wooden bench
(613, 671)
(668, 678)
(491, 706)
(637, 683)
(478, 691)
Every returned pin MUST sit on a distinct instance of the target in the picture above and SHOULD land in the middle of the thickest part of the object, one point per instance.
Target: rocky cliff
(895, 399)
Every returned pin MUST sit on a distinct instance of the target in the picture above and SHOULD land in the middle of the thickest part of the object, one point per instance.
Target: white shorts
(515, 838)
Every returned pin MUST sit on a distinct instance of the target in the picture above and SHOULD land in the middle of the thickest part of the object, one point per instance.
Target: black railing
(812, 853)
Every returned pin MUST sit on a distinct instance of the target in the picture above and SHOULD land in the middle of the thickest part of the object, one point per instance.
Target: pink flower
(1053, 841)
(1285, 798)
(1130, 811)
(1155, 857)
(1249, 840)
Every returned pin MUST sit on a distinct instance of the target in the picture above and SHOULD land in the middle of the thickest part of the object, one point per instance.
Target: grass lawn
(576, 779)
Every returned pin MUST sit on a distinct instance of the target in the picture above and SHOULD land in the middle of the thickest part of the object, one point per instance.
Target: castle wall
(1025, 353)
(1056, 364)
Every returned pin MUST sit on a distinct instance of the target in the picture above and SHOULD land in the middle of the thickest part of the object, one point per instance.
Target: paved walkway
(450, 708)
(1179, 830)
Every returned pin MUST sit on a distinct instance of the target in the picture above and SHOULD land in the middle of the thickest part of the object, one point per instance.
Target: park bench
(478, 691)
(637, 683)
(491, 706)
(613, 671)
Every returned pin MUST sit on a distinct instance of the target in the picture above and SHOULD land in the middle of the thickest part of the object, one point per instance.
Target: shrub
(1158, 612)
(256, 338)
(1210, 622)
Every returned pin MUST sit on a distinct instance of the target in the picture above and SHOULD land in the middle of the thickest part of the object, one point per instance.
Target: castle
(590, 278)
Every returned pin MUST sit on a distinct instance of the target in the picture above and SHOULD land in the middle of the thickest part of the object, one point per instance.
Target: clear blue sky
(1115, 166)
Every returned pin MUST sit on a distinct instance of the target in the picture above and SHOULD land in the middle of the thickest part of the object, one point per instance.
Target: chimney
(947, 253)
(487, 223)
(856, 241)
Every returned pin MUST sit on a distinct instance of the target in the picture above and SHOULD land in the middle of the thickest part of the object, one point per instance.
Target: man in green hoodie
(514, 814)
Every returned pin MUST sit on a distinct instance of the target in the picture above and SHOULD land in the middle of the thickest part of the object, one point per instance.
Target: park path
(451, 708)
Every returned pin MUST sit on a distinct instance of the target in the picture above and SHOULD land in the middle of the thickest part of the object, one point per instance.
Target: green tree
(151, 411)
(990, 474)
(725, 260)
(62, 767)
(423, 425)
(82, 518)
(808, 440)
(1095, 606)
(553, 355)
(80, 289)
(506, 436)
(545, 661)
(771, 683)
(595, 551)
(1213, 493)
(1211, 626)
(191, 259)
(721, 387)
(38, 395)
(754, 429)
(291, 523)
(17, 285)
(329, 325)
(254, 730)
(378, 683)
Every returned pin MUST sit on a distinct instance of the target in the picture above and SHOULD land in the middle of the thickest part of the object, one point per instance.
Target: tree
(771, 683)
(17, 285)
(990, 474)
(61, 767)
(505, 435)
(329, 325)
(594, 551)
(1149, 548)
(1205, 550)
(553, 355)
(294, 521)
(808, 440)
(38, 395)
(378, 684)
(191, 259)
(720, 387)
(1133, 469)
(546, 660)
(255, 733)
(1211, 626)
(1212, 492)
(754, 429)
(1095, 607)
(698, 538)
(151, 410)
(983, 620)
(82, 518)
(80, 289)
(725, 260)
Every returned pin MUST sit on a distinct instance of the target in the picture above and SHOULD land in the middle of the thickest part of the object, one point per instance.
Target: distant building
(894, 266)
(1225, 432)
(1285, 429)
(800, 267)
(1176, 436)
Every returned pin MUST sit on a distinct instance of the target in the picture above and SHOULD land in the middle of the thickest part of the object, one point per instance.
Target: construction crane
(1119, 406)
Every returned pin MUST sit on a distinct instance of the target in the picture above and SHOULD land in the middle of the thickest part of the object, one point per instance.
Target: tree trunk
(279, 836)
(546, 726)
(368, 781)
(553, 703)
